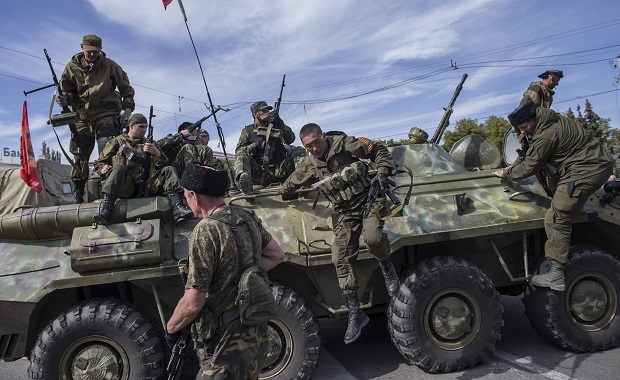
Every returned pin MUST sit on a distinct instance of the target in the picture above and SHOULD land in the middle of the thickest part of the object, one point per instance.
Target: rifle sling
(405, 202)
(266, 153)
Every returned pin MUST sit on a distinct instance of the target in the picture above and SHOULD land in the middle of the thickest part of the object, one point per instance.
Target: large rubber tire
(295, 338)
(98, 339)
(446, 316)
(583, 317)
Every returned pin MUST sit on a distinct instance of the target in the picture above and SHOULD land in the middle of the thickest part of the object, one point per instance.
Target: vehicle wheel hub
(451, 318)
(94, 360)
(280, 350)
(591, 301)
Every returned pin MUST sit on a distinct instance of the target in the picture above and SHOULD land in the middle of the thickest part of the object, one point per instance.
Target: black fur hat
(522, 113)
(204, 179)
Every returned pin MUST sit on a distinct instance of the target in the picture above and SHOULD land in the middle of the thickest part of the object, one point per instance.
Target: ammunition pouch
(64, 119)
(203, 328)
(256, 303)
(342, 186)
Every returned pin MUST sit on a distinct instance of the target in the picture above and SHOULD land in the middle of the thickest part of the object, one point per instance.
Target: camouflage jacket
(93, 88)
(563, 145)
(343, 151)
(171, 145)
(213, 261)
(112, 153)
(540, 94)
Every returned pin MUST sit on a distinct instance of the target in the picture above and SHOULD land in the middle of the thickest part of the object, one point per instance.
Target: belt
(229, 316)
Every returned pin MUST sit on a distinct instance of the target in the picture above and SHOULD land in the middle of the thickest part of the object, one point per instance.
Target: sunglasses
(313, 144)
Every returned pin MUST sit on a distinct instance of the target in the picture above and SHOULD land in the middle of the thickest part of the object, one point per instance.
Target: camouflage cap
(522, 113)
(204, 133)
(205, 179)
(417, 135)
(557, 73)
(261, 105)
(137, 118)
(91, 42)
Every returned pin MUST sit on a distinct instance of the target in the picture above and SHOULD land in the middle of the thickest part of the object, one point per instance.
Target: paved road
(520, 354)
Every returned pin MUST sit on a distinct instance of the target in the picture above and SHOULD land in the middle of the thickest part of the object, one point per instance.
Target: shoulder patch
(367, 142)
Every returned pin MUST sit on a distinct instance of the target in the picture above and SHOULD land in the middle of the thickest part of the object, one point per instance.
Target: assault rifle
(273, 117)
(541, 176)
(375, 191)
(146, 173)
(198, 124)
(177, 358)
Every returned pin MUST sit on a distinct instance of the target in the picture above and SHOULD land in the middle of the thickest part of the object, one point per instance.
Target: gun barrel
(445, 120)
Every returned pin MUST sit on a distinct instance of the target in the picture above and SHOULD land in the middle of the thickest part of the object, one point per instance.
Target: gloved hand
(61, 100)
(171, 339)
(384, 181)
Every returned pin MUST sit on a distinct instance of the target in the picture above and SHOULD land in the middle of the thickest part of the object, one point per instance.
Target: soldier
(417, 136)
(250, 151)
(88, 84)
(580, 164)
(185, 147)
(122, 162)
(541, 92)
(335, 161)
(217, 255)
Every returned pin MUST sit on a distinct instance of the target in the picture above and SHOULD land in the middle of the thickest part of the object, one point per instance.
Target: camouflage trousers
(120, 184)
(240, 353)
(559, 217)
(277, 173)
(101, 130)
(189, 153)
(347, 231)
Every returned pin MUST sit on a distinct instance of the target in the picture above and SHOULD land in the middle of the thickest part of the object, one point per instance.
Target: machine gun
(375, 191)
(445, 120)
(273, 117)
(198, 124)
(612, 189)
(146, 173)
(540, 176)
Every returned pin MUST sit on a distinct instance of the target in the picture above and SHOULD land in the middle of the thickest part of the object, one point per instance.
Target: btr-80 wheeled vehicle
(88, 301)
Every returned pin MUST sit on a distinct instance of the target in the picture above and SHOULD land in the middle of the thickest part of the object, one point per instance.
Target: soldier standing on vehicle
(250, 150)
(186, 146)
(581, 165)
(122, 162)
(541, 92)
(336, 158)
(223, 243)
(88, 84)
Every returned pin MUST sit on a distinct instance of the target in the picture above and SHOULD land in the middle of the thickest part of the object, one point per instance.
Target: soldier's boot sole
(245, 183)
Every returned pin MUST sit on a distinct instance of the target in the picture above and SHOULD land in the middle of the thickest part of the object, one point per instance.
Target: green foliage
(493, 128)
(599, 126)
(48, 153)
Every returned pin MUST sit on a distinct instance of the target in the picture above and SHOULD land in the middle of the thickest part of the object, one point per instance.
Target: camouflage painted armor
(249, 158)
(90, 92)
(124, 178)
(237, 351)
(343, 152)
(539, 93)
(581, 165)
(179, 153)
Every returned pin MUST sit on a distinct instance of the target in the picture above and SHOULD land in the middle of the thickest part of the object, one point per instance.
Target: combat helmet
(417, 136)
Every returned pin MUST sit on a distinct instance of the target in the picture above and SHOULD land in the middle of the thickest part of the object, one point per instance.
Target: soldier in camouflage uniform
(335, 165)
(541, 92)
(122, 162)
(581, 166)
(88, 83)
(250, 150)
(185, 147)
(231, 350)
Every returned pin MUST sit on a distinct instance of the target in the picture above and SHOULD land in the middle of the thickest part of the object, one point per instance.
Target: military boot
(179, 210)
(78, 193)
(357, 318)
(245, 183)
(391, 278)
(105, 210)
(554, 278)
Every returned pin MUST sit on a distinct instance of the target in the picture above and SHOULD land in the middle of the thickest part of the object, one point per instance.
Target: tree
(463, 128)
(48, 153)
(496, 128)
(598, 126)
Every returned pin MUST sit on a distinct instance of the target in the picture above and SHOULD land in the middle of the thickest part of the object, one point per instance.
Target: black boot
(78, 193)
(106, 208)
(357, 318)
(179, 210)
(391, 278)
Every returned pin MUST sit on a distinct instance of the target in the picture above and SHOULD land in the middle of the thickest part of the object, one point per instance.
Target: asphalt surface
(520, 354)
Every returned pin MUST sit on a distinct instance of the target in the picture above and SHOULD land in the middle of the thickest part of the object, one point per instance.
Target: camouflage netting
(15, 193)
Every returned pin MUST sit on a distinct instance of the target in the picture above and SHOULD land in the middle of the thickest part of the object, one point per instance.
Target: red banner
(166, 3)
(28, 165)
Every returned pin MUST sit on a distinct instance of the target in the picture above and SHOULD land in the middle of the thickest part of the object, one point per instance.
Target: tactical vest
(132, 157)
(342, 186)
(279, 151)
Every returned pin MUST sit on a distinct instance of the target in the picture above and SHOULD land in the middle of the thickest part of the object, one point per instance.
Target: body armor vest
(279, 151)
(344, 185)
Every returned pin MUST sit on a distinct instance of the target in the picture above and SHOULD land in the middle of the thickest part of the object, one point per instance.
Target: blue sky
(369, 68)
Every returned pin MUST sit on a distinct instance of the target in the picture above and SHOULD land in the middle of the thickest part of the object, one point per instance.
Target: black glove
(384, 181)
(171, 339)
(61, 100)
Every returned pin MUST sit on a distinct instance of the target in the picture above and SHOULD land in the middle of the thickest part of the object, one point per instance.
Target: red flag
(166, 3)
(28, 165)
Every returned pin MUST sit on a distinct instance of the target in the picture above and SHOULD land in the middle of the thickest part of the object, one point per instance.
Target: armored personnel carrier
(88, 301)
